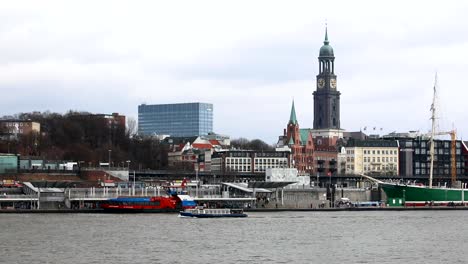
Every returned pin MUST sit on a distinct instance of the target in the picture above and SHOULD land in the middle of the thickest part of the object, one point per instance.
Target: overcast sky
(248, 58)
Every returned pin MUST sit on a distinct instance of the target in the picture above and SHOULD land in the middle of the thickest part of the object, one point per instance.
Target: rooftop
(371, 143)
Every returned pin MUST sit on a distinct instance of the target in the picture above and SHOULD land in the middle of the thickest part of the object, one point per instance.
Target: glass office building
(177, 120)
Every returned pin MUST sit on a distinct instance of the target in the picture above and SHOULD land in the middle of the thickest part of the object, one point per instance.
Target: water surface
(274, 237)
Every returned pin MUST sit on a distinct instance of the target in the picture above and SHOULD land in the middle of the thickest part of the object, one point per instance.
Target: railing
(74, 193)
(45, 170)
(104, 168)
(17, 196)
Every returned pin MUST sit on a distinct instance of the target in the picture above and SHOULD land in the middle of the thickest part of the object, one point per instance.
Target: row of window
(418, 164)
(424, 144)
(435, 171)
(440, 151)
(257, 161)
(194, 105)
(389, 167)
(247, 168)
(263, 168)
(238, 168)
(270, 161)
(9, 124)
(324, 158)
(377, 159)
(303, 159)
(13, 131)
(384, 152)
(238, 160)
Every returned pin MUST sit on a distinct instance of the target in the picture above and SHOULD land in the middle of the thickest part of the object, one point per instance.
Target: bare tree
(131, 127)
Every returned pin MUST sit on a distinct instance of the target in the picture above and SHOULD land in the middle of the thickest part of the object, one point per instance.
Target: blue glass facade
(177, 120)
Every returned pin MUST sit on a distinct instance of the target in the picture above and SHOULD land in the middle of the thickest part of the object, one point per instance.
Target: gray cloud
(249, 60)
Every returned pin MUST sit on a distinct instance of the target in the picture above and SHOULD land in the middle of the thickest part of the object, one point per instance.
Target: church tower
(326, 96)
(292, 134)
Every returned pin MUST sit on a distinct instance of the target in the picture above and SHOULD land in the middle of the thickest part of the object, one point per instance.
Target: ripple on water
(282, 237)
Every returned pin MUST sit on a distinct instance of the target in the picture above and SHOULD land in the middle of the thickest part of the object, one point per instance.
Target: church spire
(292, 118)
(326, 42)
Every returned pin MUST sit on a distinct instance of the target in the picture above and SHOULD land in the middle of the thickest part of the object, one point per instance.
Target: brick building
(300, 143)
(114, 120)
(10, 129)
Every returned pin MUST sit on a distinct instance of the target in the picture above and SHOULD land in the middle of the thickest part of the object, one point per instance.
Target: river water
(273, 237)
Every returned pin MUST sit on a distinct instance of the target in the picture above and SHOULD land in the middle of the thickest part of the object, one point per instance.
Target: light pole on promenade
(110, 158)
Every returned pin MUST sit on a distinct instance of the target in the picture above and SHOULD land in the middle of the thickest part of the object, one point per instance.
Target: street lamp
(128, 168)
(80, 164)
(134, 183)
(110, 158)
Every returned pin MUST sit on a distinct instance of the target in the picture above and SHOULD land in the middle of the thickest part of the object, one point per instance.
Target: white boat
(212, 213)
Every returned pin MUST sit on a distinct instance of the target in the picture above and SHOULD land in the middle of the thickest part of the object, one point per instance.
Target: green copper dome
(326, 50)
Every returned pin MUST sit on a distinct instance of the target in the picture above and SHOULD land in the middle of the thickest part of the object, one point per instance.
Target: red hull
(142, 204)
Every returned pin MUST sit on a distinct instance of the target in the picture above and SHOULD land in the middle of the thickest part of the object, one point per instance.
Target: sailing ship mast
(431, 141)
(453, 136)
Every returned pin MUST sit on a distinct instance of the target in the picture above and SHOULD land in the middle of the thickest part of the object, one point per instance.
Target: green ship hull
(411, 195)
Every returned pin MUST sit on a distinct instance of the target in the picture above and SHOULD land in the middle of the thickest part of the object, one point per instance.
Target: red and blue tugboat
(173, 202)
(154, 204)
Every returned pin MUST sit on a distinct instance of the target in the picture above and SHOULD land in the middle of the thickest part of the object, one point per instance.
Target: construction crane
(453, 155)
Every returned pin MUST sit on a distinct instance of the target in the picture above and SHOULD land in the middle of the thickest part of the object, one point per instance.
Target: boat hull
(186, 214)
(138, 211)
(154, 204)
(422, 196)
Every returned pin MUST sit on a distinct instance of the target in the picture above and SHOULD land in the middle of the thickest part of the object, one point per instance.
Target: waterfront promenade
(256, 210)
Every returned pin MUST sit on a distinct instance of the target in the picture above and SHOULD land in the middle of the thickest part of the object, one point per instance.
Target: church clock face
(321, 83)
(333, 83)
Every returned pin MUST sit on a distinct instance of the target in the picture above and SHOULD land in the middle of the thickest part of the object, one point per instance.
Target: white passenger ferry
(212, 213)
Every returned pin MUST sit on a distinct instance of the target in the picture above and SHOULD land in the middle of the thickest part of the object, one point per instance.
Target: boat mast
(431, 141)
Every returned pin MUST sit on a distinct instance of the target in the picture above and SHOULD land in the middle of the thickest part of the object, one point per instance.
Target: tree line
(87, 138)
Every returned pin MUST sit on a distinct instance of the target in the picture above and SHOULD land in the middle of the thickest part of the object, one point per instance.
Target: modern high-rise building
(176, 120)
